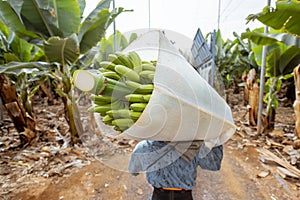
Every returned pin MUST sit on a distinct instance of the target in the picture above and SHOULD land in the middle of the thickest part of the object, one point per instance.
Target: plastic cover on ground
(183, 106)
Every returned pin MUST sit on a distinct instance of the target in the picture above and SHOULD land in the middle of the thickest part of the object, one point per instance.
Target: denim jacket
(165, 167)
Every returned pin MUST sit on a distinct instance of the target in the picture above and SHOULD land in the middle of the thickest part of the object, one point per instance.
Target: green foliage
(282, 50)
(282, 44)
(233, 58)
(280, 62)
(61, 32)
(62, 50)
(26, 77)
(284, 17)
(101, 51)
(37, 21)
(18, 64)
(118, 41)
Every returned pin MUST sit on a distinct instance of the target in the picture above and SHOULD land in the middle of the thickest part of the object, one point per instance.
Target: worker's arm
(136, 162)
(213, 159)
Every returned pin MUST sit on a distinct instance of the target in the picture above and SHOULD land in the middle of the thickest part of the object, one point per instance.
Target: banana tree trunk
(46, 91)
(271, 119)
(246, 90)
(253, 104)
(251, 94)
(72, 116)
(297, 100)
(271, 111)
(23, 123)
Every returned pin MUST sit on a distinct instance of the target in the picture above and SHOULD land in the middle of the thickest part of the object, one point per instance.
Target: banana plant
(17, 50)
(233, 58)
(19, 78)
(60, 30)
(283, 54)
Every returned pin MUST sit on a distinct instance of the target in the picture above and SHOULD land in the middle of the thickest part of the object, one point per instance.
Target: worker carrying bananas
(171, 167)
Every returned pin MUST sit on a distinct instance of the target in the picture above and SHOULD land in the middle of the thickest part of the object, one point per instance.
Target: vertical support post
(149, 13)
(262, 82)
(219, 15)
(213, 52)
(114, 26)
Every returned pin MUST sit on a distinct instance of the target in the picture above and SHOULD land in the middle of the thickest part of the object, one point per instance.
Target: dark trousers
(160, 194)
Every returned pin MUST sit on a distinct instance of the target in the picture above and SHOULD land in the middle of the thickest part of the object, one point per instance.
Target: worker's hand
(213, 159)
(135, 174)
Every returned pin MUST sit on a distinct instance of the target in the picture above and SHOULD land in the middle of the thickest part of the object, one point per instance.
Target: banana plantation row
(42, 45)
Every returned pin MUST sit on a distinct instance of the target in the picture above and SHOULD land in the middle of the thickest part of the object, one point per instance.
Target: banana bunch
(121, 89)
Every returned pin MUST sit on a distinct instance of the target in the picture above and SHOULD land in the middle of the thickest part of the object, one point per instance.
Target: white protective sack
(183, 106)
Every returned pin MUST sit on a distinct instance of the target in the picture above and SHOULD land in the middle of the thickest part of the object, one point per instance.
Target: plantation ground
(71, 173)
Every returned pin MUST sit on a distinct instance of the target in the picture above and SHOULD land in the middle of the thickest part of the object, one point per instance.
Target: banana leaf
(3, 29)
(93, 28)
(104, 4)
(286, 16)
(219, 45)
(22, 49)
(266, 39)
(91, 35)
(11, 17)
(42, 19)
(281, 59)
(107, 45)
(16, 49)
(17, 68)
(289, 60)
(62, 49)
(38, 20)
(82, 5)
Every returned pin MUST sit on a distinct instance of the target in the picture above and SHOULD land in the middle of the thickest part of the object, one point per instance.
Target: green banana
(118, 129)
(116, 91)
(114, 82)
(100, 109)
(123, 58)
(107, 119)
(108, 65)
(137, 68)
(111, 74)
(118, 104)
(101, 98)
(136, 60)
(101, 69)
(138, 107)
(127, 72)
(114, 59)
(99, 103)
(138, 98)
(145, 89)
(100, 85)
(132, 85)
(154, 62)
(135, 115)
(123, 113)
(148, 66)
(146, 73)
(140, 88)
(103, 108)
(151, 77)
(123, 123)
